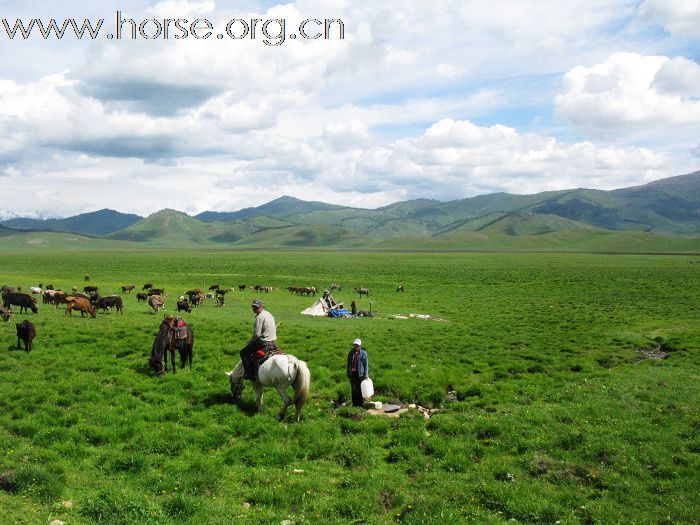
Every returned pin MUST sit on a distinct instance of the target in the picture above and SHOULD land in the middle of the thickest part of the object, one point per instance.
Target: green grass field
(556, 416)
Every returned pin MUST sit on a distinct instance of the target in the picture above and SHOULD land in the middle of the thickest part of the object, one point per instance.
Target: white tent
(319, 308)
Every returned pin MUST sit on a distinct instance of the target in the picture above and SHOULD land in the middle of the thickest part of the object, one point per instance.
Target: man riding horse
(263, 341)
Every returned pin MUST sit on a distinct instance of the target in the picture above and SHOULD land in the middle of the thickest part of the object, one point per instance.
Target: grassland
(555, 417)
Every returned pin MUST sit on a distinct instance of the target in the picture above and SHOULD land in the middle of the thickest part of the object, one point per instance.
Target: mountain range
(664, 213)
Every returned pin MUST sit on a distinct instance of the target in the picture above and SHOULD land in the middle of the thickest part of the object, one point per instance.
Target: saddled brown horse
(172, 334)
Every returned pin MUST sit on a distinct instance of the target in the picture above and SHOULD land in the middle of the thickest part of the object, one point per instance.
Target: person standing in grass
(357, 370)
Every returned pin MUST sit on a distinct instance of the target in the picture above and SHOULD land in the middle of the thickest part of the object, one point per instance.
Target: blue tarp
(338, 312)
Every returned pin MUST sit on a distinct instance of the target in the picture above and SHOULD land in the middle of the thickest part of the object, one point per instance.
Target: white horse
(280, 371)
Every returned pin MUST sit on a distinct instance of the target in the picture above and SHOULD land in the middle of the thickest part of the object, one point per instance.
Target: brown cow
(362, 291)
(5, 313)
(127, 288)
(156, 302)
(81, 304)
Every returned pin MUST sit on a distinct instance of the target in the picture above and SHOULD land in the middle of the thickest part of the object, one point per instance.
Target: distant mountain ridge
(101, 222)
(668, 207)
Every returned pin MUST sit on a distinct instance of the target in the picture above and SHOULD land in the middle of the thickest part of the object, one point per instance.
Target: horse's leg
(258, 395)
(287, 401)
(172, 357)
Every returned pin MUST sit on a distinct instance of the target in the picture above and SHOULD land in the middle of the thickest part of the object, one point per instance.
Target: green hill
(314, 236)
(664, 215)
(528, 223)
(279, 208)
(17, 240)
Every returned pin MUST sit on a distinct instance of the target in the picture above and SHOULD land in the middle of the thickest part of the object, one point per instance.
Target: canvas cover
(317, 309)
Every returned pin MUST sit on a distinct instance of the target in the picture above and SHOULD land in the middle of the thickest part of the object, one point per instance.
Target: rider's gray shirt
(264, 327)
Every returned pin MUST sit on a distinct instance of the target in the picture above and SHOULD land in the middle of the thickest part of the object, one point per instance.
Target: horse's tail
(301, 385)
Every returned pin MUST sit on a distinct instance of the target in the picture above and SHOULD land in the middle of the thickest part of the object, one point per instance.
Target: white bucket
(367, 388)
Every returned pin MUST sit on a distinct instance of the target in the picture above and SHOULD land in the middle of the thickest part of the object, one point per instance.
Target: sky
(442, 100)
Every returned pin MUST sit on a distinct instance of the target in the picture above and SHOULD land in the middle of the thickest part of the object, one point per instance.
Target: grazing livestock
(280, 371)
(90, 289)
(399, 288)
(26, 332)
(214, 287)
(156, 302)
(5, 313)
(58, 297)
(49, 287)
(196, 296)
(35, 290)
(156, 291)
(84, 306)
(127, 288)
(220, 299)
(147, 286)
(7, 289)
(184, 305)
(334, 286)
(141, 297)
(111, 301)
(362, 291)
(302, 290)
(173, 333)
(241, 287)
(25, 302)
(87, 278)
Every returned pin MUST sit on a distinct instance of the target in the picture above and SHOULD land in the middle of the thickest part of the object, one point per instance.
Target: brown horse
(173, 333)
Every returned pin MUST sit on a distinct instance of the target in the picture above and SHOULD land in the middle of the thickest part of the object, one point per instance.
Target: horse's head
(235, 378)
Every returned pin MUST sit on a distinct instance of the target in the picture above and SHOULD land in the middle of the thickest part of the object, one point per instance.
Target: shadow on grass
(219, 398)
(144, 369)
(248, 407)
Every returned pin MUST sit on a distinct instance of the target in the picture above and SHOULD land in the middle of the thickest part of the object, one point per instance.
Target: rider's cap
(357, 342)
(257, 302)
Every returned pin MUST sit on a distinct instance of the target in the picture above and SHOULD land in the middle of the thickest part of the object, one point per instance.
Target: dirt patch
(655, 351)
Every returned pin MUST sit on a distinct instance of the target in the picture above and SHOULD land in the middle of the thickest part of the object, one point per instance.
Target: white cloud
(681, 17)
(460, 158)
(629, 91)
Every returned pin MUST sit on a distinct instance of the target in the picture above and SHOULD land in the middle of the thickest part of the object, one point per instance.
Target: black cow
(141, 297)
(25, 333)
(147, 286)
(156, 291)
(241, 287)
(25, 302)
(214, 287)
(184, 305)
(111, 301)
(90, 289)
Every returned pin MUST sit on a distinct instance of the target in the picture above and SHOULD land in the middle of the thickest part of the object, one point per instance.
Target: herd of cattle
(89, 301)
